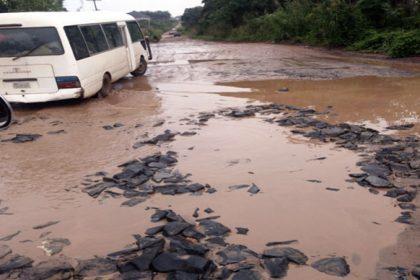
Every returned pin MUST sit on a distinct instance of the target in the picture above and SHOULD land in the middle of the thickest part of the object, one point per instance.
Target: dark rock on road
(401, 127)
(238, 187)
(333, 266)
(133, 202)
(4, 251)
(242, 231)
(174, 228)
(95, 267)
(291, 254)
(214, 228)
(13, 261)
(168, 262)
(209, 210)
(23, 138)
(57, 268)
(254, 189)
(378, 182)
(234, 254)
(247, 274)
(276, 267)
(54, 246)
(10, 236)
(48, 224)
(275, 243)
(405, 218)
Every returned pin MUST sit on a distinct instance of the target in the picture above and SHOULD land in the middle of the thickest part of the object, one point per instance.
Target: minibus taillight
(68, 82)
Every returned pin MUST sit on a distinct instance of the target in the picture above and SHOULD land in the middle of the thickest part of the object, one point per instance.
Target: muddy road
(305, 192)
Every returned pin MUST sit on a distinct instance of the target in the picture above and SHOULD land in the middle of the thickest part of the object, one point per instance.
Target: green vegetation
(160, 22)
(30, 5)
(382, 26)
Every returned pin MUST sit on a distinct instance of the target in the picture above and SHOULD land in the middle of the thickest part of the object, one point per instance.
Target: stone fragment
(181, 275)
(55, 268)
(96, 267)
(247, 274)
(53, 246)
(23, 138)
(275, 243)
(159, 215)
(185, 247)
(48, 224)
(242, 231)
(133, 202)
(276, 267)
(254, 189)
(154, 230)
(143, 262)
(333, 266)
(4, 251)
(14, 261)
(213, 228)
(10, 236)
(235, 254)
(174, 228)
(378, 182)
(237, 187)
(291, 254)
(168, 262)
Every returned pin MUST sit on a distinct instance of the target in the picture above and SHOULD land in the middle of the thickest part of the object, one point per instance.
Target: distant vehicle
(47, 56)
(5, 113)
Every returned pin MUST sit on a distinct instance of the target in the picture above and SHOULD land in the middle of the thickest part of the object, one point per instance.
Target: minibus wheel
(6, 113)
(106, 86)
(142, 68)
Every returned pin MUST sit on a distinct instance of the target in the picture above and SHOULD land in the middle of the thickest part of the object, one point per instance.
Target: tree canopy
(390, 26)
(30, 5)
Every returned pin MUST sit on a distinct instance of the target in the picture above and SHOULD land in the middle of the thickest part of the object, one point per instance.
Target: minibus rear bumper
(62, 94)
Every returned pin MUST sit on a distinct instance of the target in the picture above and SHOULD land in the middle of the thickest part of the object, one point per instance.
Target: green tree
(191, 16)
(31, 5)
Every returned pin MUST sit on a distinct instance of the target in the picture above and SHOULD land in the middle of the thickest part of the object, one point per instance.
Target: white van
(46, 56)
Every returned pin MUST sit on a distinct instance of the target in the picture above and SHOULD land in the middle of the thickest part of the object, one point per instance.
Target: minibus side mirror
(149, 50)
(5, 113)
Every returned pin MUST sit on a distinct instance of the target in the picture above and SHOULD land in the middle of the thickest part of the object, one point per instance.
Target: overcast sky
(175, 7)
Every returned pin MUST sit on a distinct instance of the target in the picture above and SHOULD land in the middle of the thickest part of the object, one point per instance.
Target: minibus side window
(135, 32)
(77, 42)
(113, 35)
(95, 38)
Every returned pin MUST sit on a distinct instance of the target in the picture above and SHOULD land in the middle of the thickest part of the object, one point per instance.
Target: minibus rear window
(34, 41)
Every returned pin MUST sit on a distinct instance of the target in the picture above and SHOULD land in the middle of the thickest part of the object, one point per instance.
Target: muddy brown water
(40, 181)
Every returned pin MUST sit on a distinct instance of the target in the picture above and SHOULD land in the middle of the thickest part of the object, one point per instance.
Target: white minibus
(47, 56)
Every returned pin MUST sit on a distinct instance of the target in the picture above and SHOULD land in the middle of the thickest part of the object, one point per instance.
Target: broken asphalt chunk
(333, 266)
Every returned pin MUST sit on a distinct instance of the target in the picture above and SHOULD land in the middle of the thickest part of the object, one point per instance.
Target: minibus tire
(106, 87)
(5, 106)
(142, 68)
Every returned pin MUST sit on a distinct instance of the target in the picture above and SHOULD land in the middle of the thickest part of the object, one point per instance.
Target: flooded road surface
(305, 192)
(375, 101)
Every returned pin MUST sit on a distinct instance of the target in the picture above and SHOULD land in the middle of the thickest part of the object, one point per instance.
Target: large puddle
(375, 101)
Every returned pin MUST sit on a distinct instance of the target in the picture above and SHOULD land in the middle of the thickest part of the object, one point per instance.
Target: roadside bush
(393, 43)
(334, 23)
(386, 26)
(289, 23)
(403, 44)
(372, 42)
